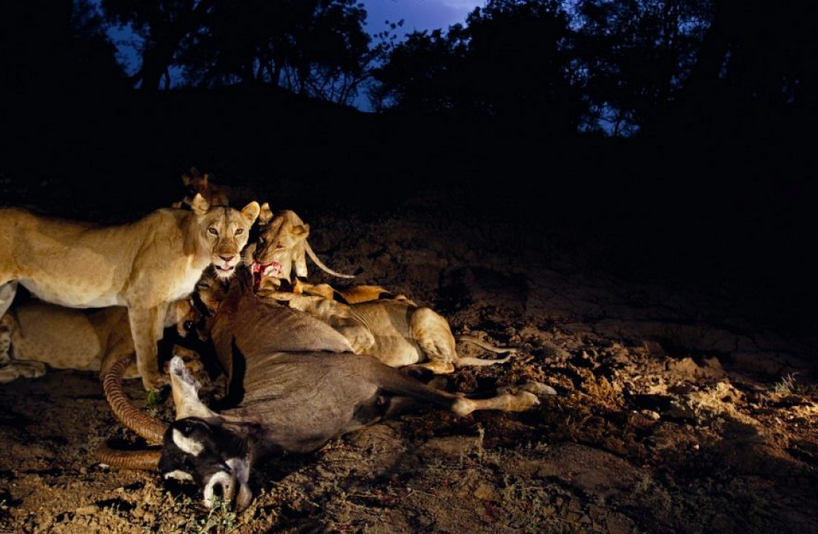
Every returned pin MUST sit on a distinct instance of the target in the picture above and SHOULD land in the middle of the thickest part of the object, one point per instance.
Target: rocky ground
(678, 410)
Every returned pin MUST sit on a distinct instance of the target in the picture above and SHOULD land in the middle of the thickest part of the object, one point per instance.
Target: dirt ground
(677, 410)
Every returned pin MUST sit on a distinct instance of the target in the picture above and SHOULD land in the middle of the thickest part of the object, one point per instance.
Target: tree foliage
(63, 47)
(636, 55)
(313, 47)
(619, 66)
(510, 61)
(612, 65)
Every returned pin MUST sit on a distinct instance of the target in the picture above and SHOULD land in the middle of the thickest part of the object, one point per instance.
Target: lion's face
(224, 231)
(281, 244)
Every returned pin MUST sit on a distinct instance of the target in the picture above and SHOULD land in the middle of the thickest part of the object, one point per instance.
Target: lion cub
(282, 246)
(144, 266)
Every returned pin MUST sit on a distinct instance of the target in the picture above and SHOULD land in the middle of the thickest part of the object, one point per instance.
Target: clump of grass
(786, 385)
(221, 519)
(153, 400)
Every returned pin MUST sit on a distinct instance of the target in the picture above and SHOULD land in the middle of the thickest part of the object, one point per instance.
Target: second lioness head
(225, 232)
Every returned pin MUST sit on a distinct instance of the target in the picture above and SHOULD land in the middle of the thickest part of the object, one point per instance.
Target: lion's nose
(227, 259)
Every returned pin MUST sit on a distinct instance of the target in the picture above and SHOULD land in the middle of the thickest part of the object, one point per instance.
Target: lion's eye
(212, 231)
(188, 326)
(239, 231)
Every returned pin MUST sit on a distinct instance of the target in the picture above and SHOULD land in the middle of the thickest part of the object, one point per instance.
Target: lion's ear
(251, 211)
(187, 179)
(266, 214)
(301, 230)
(199, 205)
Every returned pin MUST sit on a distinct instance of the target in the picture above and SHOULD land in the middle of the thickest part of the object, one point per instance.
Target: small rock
(650, 414)
(485, 492)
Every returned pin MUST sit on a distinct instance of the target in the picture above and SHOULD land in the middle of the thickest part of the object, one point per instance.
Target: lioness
(144, 266)
(399, 333)
(346, 295)
(282, 245)
(36, 334)
(396, 331)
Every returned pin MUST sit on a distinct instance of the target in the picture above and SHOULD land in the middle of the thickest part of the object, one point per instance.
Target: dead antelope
(297, 385)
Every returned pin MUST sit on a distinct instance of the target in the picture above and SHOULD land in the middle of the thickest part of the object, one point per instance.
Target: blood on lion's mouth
(262, 270)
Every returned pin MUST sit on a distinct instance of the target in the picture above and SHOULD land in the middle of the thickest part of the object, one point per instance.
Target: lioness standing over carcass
(144, 266)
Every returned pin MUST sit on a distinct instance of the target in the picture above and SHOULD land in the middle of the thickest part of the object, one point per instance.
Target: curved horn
(321, 265)
(129, 415)
(146, 460)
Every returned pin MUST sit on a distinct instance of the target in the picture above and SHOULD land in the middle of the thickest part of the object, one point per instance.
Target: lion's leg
(7, 291)
(432, 334)
(115, 353)
(21, 368)
(146, 328)
(11, 369)
(6, 327)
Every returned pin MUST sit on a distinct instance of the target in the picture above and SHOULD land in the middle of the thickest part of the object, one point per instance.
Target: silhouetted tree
(756, 68)
(422, 74)
(163, 25)
(313, 47)
(511, 61)
(636, 56)
(55, 46)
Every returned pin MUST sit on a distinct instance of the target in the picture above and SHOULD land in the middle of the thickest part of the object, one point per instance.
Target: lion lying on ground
(37, 334)
(397, 332)
(349, 295)
(144, 266)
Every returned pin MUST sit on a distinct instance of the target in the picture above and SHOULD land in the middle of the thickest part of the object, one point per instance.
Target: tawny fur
(39, 334)
(397, 332)
(348, 295)
(144, 265)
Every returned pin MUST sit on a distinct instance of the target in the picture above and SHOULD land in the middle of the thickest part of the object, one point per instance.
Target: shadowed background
(673, 136)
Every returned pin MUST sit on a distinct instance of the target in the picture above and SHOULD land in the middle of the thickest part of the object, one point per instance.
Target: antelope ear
(199, 205)
(266, 214)
(251, 211)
